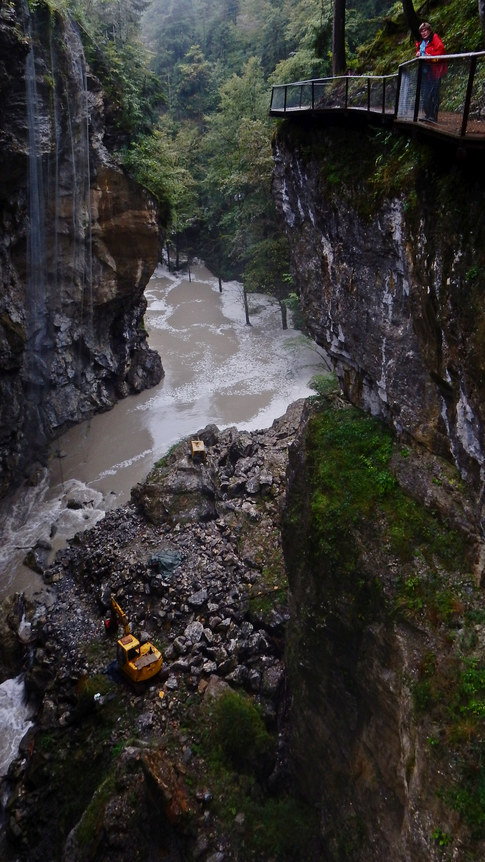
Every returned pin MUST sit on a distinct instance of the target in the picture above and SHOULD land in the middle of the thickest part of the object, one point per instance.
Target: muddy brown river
(217, 370)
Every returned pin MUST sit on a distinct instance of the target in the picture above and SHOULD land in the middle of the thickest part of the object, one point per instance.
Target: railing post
(346, 92)
(383, 95)
(368, 95)
(398, 92)
(418, 89)
(284, 106)
(313, 95)
(468, 97)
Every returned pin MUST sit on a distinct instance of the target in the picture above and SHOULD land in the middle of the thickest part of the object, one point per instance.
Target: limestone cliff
(387, 241)
(78, 244)
(385, 648)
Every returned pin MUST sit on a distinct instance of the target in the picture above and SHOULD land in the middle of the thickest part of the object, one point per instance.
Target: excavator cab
(138, 662)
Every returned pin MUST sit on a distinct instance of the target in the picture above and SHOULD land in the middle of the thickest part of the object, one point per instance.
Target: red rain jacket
(434, 47)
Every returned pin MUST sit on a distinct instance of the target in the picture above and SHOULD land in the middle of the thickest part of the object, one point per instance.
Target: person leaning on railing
(430, 45)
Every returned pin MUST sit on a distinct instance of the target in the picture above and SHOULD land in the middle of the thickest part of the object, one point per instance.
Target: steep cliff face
(385, 650)
(389, 262)
(386, 643)
(78, 244)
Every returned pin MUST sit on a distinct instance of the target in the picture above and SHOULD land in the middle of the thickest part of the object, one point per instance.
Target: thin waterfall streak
(82, 202)
(57, 134)
(35, 286)
(89, 268)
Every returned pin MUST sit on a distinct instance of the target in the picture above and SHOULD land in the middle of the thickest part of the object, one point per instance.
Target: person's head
(425, 29)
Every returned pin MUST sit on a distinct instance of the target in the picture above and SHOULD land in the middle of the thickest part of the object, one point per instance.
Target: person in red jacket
(430, 45)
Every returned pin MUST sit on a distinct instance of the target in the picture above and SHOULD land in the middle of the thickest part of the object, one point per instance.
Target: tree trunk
(338, 38)
(481, 12)
(246, 307)
(412, 19)
(284, 317)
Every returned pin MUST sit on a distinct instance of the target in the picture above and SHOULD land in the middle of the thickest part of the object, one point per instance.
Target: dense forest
(188, 89)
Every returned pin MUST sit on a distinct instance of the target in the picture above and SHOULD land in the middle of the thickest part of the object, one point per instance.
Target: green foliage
(441, 838)
(240, 737)
(468, 795)
(159, 161)
(451, 690)
(110, 31)
(240, 754)
(456, 21)
(216, 61)
(325, 385)
(347, 457)
(397, 166)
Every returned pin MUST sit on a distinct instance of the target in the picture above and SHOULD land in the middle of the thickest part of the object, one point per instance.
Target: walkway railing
(356, 92)
(459, 78)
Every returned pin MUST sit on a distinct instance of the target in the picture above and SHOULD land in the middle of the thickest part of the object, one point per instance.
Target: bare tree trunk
(284, 316)
(481, 12)
(412, 19)
(220, 283)
(339, 62)
(246, 307)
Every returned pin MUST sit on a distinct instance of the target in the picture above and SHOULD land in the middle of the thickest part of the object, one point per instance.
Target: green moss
(347, 464)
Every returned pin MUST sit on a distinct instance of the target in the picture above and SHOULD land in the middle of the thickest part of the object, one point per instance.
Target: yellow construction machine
(139, 662)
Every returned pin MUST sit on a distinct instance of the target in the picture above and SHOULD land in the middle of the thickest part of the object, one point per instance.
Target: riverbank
(100, 757)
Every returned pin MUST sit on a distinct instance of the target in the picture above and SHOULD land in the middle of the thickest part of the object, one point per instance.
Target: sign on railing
(446, 91)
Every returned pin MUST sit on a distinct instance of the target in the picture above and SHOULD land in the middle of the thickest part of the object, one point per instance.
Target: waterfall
(77, 136)
(36, 238)
(59, 266)
(15, 720)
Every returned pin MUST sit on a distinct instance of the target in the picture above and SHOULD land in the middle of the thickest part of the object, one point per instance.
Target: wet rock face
(78, 244)
(387, 288)
(361, 750)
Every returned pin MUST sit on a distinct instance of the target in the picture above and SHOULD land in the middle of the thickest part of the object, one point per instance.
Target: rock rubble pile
(195, 561)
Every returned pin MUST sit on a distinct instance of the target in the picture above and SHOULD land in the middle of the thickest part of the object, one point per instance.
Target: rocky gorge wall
(78, 244)
(387, 256)
(387, 241)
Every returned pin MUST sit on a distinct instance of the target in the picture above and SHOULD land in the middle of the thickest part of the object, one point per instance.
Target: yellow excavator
(139, 662)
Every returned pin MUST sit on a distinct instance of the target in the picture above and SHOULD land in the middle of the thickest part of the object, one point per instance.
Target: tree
(338, 38)
(411, 17)
(194, 91)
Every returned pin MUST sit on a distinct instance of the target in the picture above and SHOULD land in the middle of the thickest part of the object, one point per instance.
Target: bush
(241, 737)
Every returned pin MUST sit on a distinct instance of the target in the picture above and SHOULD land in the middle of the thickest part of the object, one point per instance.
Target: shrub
(240, 735)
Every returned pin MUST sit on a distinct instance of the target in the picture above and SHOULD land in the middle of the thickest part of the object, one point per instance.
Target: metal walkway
(399, 99)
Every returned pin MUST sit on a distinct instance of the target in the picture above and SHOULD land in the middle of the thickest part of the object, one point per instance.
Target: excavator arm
(121, 616)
